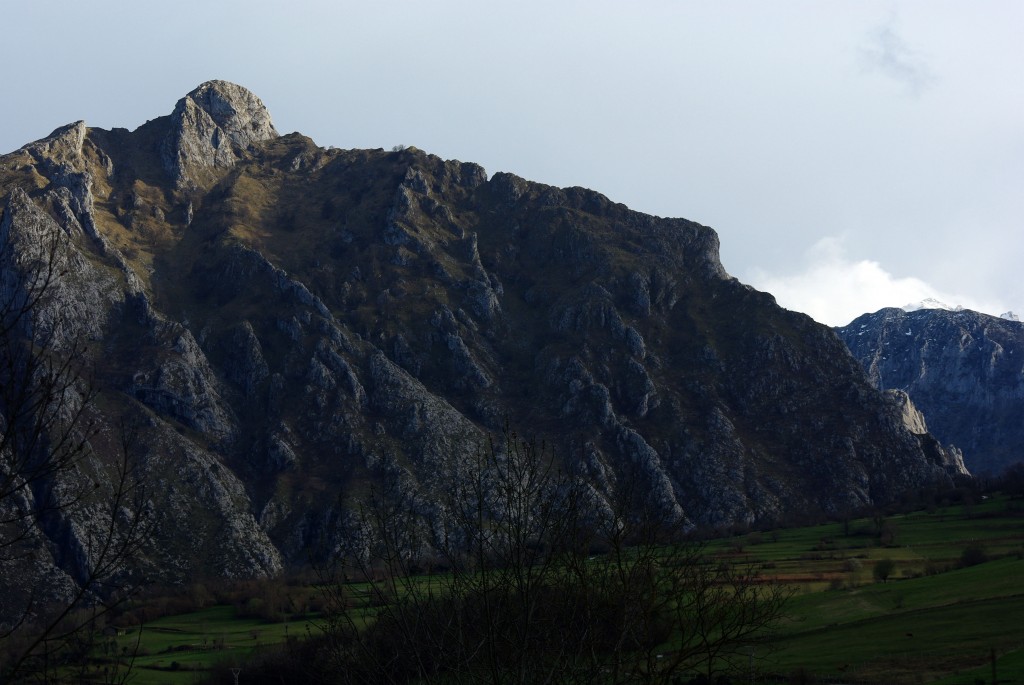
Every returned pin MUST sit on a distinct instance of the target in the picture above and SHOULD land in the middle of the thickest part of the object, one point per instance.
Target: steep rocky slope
(284, 324)
(964, 370)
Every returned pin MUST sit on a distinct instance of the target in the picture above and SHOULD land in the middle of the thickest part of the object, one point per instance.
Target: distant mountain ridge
(287, 325)
(964, 370)
(932, 303)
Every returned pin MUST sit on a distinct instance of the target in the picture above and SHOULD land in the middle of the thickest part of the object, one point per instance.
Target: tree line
(519, 572)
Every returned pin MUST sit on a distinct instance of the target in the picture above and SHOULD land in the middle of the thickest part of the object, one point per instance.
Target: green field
(931, 621)
(176, 649)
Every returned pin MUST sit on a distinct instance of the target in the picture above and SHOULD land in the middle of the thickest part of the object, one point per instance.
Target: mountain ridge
(287, 324)
(963, 369)
(932, 303)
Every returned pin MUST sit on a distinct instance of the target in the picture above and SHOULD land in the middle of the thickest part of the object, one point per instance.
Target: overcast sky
(850, 155)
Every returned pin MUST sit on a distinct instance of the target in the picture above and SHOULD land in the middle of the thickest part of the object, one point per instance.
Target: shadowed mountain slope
(287, 324)
(964, 370)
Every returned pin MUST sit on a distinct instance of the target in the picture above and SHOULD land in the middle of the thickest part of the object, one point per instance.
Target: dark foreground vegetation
(926, 595)
(527, 580)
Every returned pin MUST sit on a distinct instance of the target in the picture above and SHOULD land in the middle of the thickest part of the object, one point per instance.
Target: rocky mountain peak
(213, 126)
(289, 325)
(62, 148)
(930, 303)
(236, 110)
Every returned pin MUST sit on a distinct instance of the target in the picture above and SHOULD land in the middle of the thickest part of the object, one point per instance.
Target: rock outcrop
(214, 126)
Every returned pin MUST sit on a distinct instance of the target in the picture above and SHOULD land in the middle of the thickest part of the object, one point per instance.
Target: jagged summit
(212, 127)
(62, 148)
(236, 110)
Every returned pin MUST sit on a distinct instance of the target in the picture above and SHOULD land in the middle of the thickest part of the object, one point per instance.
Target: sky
(851, 155)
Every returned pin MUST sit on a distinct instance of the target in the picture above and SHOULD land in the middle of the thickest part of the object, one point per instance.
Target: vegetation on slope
(935, 619)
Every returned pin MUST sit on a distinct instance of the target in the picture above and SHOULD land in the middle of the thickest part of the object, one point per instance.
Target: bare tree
(43, 396)
(523, 574)
(60, 504)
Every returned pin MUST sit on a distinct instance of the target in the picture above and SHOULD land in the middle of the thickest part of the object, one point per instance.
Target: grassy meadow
(178, 649)
(950, 609)
(934, 619)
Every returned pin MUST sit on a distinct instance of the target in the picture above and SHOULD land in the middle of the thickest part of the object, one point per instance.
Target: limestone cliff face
(286, 324)
(950, 455)
(213, 127)
(913, 419)
(964, 370)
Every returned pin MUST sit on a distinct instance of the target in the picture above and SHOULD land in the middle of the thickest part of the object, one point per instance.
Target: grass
(172, 650)
(931, 622)
(923, 626)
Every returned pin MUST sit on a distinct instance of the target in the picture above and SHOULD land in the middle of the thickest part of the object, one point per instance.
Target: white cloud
(886, 52)
(834, 289)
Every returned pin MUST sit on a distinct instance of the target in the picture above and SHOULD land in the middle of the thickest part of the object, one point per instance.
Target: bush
(972, 556)
(883, 569)
(252, 608)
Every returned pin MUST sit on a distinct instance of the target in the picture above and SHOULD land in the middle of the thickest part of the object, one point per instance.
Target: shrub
(883, 569)
(972, 556)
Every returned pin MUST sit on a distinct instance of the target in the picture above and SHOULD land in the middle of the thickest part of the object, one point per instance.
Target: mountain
(283, 326)
(964, 370)
(930, 303)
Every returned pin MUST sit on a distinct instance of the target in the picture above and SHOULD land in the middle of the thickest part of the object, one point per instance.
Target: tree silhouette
(883, 569)
(532, 577)
(49, 473)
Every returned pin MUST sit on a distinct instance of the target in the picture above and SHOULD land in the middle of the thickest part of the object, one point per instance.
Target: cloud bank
(834, 289)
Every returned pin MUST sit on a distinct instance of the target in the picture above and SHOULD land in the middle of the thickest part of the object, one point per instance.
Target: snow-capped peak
(930, 303)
